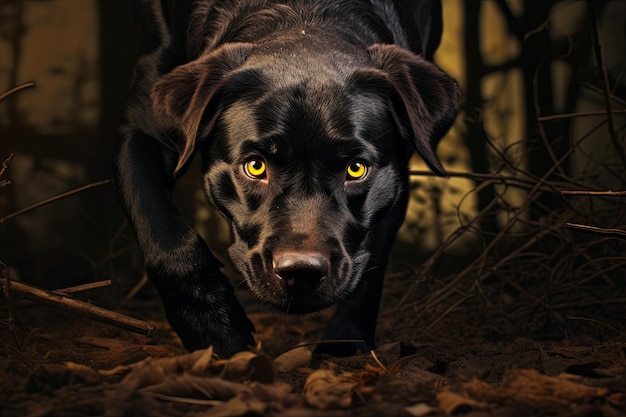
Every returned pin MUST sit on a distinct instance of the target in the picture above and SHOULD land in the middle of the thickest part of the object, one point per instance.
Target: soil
(55, 363)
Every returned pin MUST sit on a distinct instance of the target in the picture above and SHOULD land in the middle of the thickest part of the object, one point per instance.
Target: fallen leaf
(189, 386)
(529, 387)
(325, 389)
(54, 376)
(247, 365)
(243, 404)
(533, 383)
(293, 359)
(420, 410)
(454, 403)
(83, 373)
(202, 363)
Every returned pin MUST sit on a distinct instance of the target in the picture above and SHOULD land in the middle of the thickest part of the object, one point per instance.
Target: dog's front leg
(354, 322)
(356, 318)
(198, 299)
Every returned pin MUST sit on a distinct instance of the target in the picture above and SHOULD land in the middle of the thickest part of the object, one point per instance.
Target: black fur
(283, 99)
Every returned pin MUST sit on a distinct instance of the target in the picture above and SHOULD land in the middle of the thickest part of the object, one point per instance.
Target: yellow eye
(255, 168)
(356, 170)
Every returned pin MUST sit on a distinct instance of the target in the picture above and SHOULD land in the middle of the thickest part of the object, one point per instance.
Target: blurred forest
(530, 221)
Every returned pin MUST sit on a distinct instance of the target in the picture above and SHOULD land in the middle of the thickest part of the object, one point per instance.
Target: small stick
(84, 287)
(62, 291)
(599, 230)
(16, 89)
(596, 193)
(53, 199)
(82, 308)
(5, 164)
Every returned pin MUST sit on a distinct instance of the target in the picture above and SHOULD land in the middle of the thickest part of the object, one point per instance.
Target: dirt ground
(54, 363)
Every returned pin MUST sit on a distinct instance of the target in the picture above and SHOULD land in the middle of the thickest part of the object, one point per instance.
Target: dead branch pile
(555, 265)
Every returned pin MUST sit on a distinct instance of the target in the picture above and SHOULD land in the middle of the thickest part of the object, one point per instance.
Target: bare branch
(84, 287)
(5, 165)
(596, 193)
(15, 89)
(581, 114)
(53, 199)
(598, 230)
(597, 48)
(79, 307)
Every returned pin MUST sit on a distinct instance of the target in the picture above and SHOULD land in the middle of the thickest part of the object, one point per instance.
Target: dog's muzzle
(300, 272)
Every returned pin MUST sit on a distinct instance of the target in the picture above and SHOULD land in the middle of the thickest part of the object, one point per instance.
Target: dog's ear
(185, 101)
(425, 98)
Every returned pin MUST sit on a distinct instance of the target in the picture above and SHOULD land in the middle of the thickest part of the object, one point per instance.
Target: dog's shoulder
(161, 28)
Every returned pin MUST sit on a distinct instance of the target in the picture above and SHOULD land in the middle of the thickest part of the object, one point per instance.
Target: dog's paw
(239, 334)
(214, 320)
(207, 314)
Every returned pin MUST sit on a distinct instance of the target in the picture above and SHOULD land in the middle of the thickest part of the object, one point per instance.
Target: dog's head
(305, 152)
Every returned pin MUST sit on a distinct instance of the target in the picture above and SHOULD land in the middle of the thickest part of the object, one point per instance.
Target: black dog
(305, 114)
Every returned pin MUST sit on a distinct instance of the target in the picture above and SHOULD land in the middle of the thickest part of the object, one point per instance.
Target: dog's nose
(301, 272)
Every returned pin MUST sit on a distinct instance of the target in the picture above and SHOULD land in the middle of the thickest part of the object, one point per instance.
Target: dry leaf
(243, 404)
(202, 364)
(529, 387)
(189, 386)
(197, 375)
(279, 392)
(325, 389)
(226, 398)
(150, 372)
(54, 376)
(84, 373)
(256, 399)
(292, 359)
(453, 403)
(533, 384)
(247, 365)
(420, 410)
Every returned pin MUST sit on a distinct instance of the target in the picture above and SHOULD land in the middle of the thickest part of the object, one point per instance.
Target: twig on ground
(64, 291)
(81, 308)
(84, 287)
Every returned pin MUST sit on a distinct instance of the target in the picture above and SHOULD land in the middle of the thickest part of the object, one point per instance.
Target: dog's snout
(301, 272)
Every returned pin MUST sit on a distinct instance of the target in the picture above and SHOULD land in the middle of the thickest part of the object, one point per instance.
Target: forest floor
(54, 363)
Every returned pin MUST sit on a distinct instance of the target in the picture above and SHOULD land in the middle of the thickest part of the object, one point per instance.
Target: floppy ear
(425, 99)
(185, 100)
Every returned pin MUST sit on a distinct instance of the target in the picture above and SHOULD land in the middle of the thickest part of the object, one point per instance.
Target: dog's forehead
(297, 94)
(290, 126)
(272, 128)
(308, 53)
